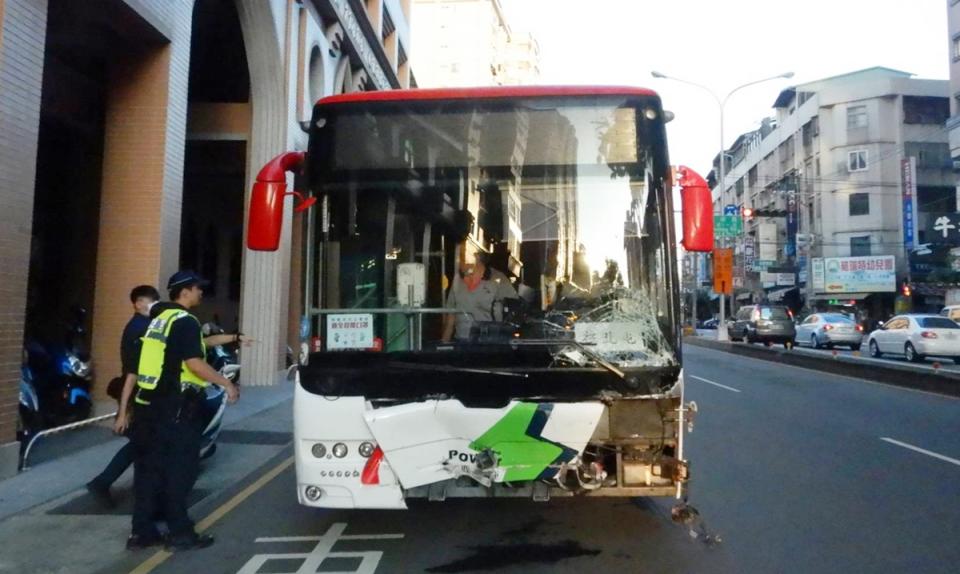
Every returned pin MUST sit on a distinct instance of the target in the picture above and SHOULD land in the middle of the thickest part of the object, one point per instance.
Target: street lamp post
(722, 103)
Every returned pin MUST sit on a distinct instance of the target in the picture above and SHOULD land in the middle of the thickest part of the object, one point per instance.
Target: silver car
(763, 324)
(828, 329)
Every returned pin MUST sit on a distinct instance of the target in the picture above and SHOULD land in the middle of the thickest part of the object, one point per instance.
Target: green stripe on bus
(523, 457)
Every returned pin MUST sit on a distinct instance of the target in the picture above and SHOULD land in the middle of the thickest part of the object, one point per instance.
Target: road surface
(796, 471)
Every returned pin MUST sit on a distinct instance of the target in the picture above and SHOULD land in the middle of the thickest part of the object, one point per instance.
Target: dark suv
(763, 324)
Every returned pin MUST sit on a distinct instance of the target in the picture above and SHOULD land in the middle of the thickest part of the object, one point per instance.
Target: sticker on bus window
(354, 331)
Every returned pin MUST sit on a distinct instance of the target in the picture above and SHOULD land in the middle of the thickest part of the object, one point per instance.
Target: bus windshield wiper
(593, 356)
(451, 369)
(630, 381)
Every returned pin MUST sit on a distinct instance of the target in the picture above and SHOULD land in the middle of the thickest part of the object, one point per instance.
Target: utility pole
(722, 103)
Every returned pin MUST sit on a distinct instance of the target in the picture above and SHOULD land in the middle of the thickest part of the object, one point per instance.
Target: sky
(723, 44)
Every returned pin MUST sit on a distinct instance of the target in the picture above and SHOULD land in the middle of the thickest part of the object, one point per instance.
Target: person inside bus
(475, 291)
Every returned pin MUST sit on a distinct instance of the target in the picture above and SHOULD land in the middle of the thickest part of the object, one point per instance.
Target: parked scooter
(224, 359)
(55, 380)
(213, 407)
(30, 422)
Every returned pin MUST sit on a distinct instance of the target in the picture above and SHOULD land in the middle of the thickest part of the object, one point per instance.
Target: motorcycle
(224, 359)
(30, 422)
(55, 380)
(213, 406)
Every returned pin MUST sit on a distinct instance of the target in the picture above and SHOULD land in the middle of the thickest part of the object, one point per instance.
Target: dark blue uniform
(129, 356)
(167, 437)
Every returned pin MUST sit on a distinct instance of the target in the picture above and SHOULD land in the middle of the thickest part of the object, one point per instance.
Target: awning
(840, 296)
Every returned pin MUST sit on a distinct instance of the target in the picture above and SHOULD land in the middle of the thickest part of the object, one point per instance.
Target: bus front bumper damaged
(440, 448)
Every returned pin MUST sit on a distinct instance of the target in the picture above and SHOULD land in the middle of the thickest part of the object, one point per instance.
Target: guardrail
(59, 429)
(919, 377)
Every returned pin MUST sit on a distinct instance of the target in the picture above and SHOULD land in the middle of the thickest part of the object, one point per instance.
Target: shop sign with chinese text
(875, 274)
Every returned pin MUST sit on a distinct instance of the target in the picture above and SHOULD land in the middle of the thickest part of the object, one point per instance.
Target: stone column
(142, 189)
(264, 297)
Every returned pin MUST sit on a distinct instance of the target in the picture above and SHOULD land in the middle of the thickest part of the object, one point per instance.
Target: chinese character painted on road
(312, 560)
(943, 225)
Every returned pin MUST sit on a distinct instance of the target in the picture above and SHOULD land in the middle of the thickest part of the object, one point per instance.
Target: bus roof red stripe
(483, 93)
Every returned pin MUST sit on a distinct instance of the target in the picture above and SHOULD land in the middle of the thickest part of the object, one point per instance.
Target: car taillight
(928, 335)
(828, 327)
(860, 328)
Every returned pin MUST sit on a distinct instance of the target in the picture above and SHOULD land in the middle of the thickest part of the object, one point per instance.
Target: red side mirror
(305, 204)
(266, 201)
(697, 211)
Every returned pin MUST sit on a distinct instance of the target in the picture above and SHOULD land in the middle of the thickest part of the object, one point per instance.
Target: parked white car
(951, 312)
(917, 337)
(828, 329)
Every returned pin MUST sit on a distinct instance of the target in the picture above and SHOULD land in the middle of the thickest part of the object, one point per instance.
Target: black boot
(101, 494)
(138, 542)
(194, 542)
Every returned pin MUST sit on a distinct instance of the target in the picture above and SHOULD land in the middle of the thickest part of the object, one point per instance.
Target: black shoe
(101, 494)
(137, 542)
(195, 542)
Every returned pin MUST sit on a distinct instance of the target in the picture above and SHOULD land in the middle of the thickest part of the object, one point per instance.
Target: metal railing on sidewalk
(59, 429)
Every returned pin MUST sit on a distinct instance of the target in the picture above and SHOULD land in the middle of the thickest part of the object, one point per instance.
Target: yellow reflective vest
(153, 351)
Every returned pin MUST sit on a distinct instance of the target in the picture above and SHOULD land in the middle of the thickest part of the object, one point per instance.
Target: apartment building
(834, 164)
(466, 43)
(953, 124)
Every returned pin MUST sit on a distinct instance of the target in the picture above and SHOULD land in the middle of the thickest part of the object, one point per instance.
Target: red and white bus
(555, 366)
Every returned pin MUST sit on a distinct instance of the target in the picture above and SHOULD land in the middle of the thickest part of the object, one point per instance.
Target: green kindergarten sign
(727, 225)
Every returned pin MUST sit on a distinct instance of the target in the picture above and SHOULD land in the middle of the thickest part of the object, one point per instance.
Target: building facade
(953, 124)
(827, 174)
(130, 132)
(466, 43)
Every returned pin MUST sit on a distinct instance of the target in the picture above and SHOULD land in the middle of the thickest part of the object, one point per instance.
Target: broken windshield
(454, 225)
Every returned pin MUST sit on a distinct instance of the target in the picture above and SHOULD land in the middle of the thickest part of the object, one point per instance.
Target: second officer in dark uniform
(171, 379)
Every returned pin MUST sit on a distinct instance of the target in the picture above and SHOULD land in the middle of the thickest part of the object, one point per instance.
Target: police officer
(171, 377)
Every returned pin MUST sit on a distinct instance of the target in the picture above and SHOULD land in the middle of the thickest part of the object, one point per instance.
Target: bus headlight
(313, 493)
(319, 450)
(339, 450)
(366, 449)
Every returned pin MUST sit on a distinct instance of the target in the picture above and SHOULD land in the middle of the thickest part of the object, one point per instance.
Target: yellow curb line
(161, 556)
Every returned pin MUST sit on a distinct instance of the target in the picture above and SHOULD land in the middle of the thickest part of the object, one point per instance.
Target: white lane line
(702, 380)
(819, 372)
(921, 450)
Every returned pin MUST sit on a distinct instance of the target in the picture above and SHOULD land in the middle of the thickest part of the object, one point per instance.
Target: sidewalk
(49, 523)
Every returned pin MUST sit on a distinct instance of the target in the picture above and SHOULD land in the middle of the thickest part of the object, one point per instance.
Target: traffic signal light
(769, 212)
(746, 212)
(905, 289)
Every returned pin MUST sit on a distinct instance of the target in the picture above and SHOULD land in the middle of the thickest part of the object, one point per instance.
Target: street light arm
(688, 82)
(787, 75)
